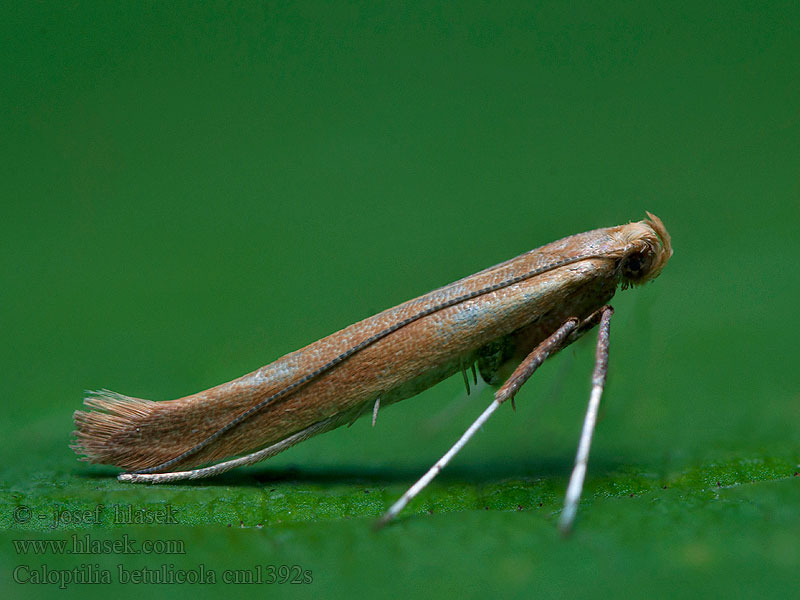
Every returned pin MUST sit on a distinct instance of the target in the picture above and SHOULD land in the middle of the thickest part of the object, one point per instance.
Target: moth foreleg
(532, 362)
(581, 459)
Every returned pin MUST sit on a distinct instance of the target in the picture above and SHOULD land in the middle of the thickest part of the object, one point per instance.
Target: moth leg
(598, 382)
(375, 410)
(532, 362)
(227, 465)
(466, 379)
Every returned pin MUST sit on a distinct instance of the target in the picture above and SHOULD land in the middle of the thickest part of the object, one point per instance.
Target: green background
(191, 192)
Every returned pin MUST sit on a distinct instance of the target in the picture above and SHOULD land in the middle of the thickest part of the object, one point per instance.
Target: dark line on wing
(355, 349)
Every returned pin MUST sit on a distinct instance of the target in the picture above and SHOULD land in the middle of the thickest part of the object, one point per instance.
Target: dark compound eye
(636, 265)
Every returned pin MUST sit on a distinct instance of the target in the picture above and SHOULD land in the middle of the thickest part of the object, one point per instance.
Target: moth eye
(636, 265)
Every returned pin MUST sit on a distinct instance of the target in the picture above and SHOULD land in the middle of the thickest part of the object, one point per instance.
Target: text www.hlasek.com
(86, 544)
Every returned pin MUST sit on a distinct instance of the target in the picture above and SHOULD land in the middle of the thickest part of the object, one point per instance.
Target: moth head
(648, 248)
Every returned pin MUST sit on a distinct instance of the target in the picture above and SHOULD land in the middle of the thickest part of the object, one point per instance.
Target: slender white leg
(375, 410)
(512, 385)
(440, 464)
(579, 472)
(218, 468)
(582, 458)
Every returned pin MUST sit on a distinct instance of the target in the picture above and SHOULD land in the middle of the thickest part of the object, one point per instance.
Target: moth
(505, 321)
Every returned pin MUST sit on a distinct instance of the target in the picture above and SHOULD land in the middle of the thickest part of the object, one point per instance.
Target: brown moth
(512, 315)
